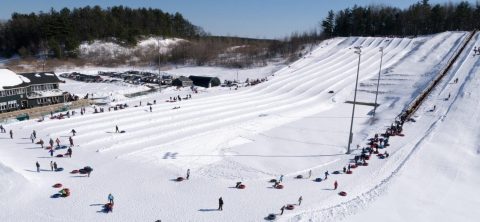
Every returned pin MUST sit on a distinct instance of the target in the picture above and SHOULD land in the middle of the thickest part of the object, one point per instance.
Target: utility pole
(378, 82)
(159, 74)
(358, 50)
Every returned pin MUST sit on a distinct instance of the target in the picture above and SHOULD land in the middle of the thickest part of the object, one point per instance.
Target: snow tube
(367, 157)
(353, 166)
(123, 131)
(401, 134)
(290, 207)
(336, 172)
(271, 217)
(242, 186)
(381, 156)
(179, 179)
(279, 186)
(59, 169)
(61, 147)
(349, 172)
(37, 142)
(108, 207)
(57, 195)
(273, 181)
(318, 179)
(59, 155)
(299, 177)
(342, 193)
(74, 171)
(57, 185)
(365, 164)
(82, 171)
(375, 152)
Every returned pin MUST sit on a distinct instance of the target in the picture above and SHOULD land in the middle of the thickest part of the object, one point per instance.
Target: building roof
(41, 77)
(9, 79)
(184, 78)
(205, 81)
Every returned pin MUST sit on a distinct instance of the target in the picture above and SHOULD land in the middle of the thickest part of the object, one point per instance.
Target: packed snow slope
(286, 126)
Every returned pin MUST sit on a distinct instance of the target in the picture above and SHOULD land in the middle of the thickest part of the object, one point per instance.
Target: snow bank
(9, 78)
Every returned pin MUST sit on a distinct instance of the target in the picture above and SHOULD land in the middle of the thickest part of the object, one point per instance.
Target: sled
(318, 179)
(271, 217)
(290, 207)
(180, 179)
(57, 185)
(242, 186)
(279, 186)
(342, 193)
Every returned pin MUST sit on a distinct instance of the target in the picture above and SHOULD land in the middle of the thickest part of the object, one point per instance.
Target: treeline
(60, 32)
(418, 19)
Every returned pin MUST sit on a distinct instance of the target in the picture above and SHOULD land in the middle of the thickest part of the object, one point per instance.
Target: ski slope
(285, 126)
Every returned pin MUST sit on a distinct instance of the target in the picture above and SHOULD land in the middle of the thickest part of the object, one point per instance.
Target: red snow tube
(57, 185)
(367, 157)
(290, 207)
(365, 164)
(242, 186)
(59, 155)
(179, 179)
(342, 193)
(349, 172)
(279, 186)
(353, 166)
(74, 171)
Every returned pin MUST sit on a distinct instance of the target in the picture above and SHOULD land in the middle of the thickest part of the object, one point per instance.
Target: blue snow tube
(57, 195)
(59, 169)
(271, 217)
(318, 179)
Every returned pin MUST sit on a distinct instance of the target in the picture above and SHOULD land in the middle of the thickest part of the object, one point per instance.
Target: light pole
(358, 50)
(159, 74)
(378, 83)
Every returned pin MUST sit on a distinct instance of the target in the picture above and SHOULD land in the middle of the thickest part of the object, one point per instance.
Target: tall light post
(378, 82)
(159, 74)
(358, 50)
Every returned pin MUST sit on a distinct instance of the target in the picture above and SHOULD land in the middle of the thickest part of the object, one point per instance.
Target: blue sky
(245, 18)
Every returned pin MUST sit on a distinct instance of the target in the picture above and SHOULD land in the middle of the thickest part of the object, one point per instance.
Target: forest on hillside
(62, 31)
(418, 19)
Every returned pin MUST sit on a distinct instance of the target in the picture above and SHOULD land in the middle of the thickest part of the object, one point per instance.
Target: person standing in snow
(73, 132)
(309, 174)
(58, 141)
(51, 142)
(326, 174)
(282, 209)
(188, 174)
(116, 129)
(38, 166)
(220, 203)
(300, 200)
(41, 142)
(69, 152)
(110, 198)
(32, 137)
(34, 134)
(2, 130)
(281, 178)
(55, 166)
(71, 141)
(51, 165)
(150, 108)
(51, 152)
(335, 185)
(11, 134)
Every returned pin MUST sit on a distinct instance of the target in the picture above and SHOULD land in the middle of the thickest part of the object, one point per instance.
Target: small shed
(205, 81)
(182, 81)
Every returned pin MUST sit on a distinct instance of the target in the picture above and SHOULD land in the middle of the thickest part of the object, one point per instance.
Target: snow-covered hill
(287, 126)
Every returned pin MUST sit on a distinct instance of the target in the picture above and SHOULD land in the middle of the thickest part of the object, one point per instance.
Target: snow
(285, 126)
(9, 78)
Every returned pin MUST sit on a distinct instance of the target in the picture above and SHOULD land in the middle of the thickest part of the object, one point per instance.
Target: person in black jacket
(220, 203)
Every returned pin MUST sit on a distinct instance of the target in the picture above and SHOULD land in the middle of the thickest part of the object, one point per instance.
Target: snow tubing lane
(290, 207)
(280, 186)
(342, 193)
(57, 185)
